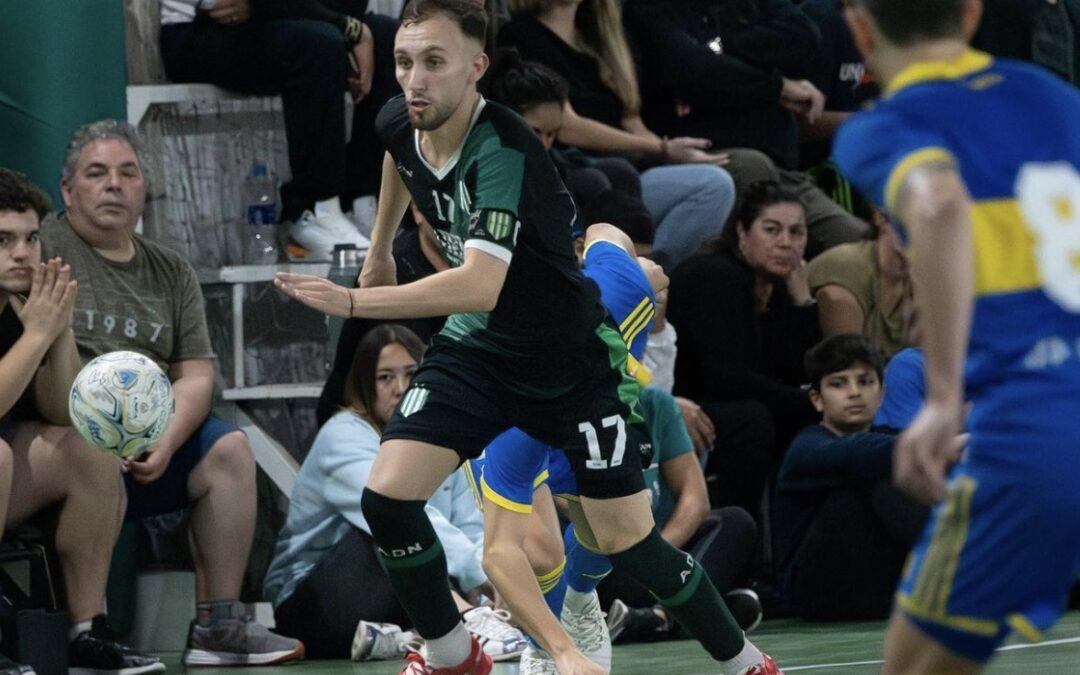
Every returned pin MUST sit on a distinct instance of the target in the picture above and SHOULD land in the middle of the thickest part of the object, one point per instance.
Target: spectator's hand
(47, 310)
(317, 293)
(925, 451)
(484, 594)
(231, 11)
(149, 466)
(362, 61)
(802, 98)
(378, 271)
(798, 285)
(684, 150)
(698, 425)
(575, 663)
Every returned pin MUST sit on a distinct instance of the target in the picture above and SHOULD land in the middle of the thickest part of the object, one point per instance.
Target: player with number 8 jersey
(978, 160)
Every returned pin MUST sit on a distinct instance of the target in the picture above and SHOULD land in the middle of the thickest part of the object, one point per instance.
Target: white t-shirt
(181, 11)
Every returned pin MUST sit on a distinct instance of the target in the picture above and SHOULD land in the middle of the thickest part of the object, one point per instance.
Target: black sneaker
(745, 606)
(94, 652)
(627, 624)
(9, 667)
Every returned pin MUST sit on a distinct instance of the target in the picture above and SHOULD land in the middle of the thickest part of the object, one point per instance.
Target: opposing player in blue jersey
(521, 530)
(978, 161)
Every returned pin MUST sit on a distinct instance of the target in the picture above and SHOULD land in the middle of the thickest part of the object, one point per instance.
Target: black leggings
(347, 586)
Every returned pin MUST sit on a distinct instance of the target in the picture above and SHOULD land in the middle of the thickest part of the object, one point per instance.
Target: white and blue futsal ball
(121, 403)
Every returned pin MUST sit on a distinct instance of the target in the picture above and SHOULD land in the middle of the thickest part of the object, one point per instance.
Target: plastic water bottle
(260, 194)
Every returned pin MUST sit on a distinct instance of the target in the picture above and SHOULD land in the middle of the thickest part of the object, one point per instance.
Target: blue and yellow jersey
(627, 294)
(1013, 133)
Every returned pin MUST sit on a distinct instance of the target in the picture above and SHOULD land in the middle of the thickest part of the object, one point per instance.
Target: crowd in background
(701, 128)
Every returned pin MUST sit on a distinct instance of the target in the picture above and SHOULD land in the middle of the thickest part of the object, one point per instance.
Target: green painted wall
(61, 65)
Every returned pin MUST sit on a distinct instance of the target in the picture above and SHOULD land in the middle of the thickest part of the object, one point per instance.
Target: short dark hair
(840, 352)
(521, 85)
(757, 197)
(624, 211)
(18, 194)
(470, 17)
(904, 22)
(360, 385)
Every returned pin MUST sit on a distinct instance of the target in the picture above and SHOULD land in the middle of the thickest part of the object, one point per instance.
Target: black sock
(414, 560)
(680, 584)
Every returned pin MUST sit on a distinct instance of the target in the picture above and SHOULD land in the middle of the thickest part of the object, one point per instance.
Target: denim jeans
(689, 204)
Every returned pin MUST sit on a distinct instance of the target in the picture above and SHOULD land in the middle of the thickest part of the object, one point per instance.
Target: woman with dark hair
(539, 95)
(326, 581)
(689, 203)
(745, 318)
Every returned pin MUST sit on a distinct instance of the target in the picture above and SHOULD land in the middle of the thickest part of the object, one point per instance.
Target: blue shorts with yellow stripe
(1002, 551)
(514, 465)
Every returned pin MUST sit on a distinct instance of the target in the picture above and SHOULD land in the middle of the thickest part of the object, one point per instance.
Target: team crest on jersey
(499, 224)
(413, 401)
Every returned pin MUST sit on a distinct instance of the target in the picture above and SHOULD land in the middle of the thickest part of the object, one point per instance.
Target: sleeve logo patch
(499, 224)
(413, 401)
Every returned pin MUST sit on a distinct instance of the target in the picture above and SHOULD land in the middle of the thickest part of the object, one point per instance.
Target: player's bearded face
(434, 63)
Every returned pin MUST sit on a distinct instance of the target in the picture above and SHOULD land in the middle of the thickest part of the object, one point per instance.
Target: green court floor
(845, 649)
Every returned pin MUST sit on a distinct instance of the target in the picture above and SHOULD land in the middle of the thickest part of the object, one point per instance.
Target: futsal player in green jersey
(527, 345)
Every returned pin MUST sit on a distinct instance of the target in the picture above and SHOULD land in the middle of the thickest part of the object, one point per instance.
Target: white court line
(1046, 643)
(789, 669)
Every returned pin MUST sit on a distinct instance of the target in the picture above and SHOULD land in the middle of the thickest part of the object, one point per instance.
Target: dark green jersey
(501, 194)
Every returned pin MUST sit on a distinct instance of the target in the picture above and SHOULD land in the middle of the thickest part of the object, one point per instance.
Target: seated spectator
(905, 381)
(583, 43)
(722, 540)
(326, 580)
(865, 288)
(841, 530)
(307, 51)
(140, 296)
(745, 318)
(735, 72)
(1043, 32)
(43, 461)
(539, 95)
(732, 71)
(905, 389)
(841, 76)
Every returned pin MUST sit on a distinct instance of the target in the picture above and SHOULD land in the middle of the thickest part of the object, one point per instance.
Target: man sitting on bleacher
(139, 296)
(43, 462)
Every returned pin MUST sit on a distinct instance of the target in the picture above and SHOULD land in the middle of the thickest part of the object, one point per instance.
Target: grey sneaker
(379, 641)
(233, 638)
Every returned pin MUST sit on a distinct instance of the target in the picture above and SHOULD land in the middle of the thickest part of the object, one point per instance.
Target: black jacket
(725, 60)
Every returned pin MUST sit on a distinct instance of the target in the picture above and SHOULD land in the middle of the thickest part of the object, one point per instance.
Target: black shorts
(462, 398)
